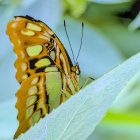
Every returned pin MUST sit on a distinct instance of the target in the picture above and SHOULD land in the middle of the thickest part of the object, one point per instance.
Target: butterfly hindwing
(31, 103)
(36, 98)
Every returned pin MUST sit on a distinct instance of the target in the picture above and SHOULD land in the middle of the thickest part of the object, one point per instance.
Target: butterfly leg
(89, 78)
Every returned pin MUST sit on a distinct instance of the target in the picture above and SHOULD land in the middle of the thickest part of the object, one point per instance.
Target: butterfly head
(75, 69)
(75, 73)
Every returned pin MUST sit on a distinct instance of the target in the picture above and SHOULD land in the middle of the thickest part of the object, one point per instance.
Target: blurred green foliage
(111, 35)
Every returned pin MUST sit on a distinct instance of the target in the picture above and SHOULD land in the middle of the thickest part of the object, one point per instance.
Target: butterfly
(44, 70)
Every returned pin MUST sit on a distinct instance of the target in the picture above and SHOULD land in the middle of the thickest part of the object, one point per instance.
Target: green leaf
(78, 117)
(122, 121)
(116, 131)
(110, 1)
(75, 7)
(135, 23)
(129, 100)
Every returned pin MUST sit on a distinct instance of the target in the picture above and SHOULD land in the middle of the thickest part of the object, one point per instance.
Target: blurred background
(111, 35)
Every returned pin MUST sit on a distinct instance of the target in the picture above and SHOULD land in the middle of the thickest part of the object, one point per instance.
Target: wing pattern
(43, 70)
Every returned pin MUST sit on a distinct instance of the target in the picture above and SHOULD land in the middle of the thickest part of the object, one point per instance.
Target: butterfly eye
(73, 69)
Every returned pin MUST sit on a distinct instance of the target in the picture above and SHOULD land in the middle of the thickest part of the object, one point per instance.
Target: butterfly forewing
(32, 41)
(43, 69)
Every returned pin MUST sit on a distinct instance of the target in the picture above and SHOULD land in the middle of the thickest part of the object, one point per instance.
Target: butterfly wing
(34, 101)
(43, 66)
(32, 41)
(31, 103)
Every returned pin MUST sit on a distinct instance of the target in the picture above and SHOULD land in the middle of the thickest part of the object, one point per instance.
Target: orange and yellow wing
(32, 41)
(41, 61)
(32, 103)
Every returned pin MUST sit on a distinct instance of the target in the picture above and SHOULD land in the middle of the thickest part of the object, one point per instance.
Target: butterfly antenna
(68, 40)
(81, 41)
